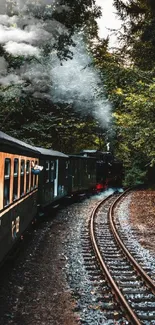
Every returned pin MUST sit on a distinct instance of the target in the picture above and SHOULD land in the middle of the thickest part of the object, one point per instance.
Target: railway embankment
(140, 217)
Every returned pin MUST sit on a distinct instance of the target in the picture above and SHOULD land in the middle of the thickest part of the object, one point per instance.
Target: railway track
(132, 288)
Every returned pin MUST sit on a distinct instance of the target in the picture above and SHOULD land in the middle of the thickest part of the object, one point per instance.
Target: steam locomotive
(109, 170)
(25, 193)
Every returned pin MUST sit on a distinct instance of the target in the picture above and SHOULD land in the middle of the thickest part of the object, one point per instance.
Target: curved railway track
(132, 287)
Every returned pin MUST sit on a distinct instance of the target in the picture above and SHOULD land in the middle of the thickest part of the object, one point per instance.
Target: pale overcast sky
(109, 19)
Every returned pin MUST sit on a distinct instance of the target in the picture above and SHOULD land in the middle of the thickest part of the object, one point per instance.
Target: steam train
(24, 193)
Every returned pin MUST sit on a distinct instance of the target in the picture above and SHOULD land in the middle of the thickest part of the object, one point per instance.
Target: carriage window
(35, 176)
(32, 178)
(47, 172)
(22, 177)
(52, 171)
(67, 167)
(27, 175)
(7, 173)
(15, 179)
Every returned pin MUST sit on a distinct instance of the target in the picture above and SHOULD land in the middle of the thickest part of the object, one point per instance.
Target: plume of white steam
(3, 65)
(25, 35)
(16, 35)
(77, 82)
(10, 79)
(2, 6)
(24, 27)
(22, 49)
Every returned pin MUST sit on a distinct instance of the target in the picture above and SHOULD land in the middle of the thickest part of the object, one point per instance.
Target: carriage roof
(7, 140)
(50, 152)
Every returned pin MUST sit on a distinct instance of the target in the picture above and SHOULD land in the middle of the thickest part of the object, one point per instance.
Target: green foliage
(132, 92)
(139, 31)
(134, 176)
(42, 123)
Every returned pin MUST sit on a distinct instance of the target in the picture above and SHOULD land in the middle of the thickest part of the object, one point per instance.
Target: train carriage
(18, 190)
(82, 174)
(33, 177)
(53, 180)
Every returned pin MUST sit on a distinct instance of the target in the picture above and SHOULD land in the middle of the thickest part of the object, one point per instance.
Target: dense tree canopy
(138, 20)
(61, 87)
(131, 90)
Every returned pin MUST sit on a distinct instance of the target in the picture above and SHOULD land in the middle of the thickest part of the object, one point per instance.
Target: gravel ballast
(48, 283)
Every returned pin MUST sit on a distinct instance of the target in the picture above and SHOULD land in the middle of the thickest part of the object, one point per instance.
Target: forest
(62, 88)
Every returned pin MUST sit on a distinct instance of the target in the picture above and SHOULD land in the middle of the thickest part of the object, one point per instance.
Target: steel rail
(119, 296)
(148, 281)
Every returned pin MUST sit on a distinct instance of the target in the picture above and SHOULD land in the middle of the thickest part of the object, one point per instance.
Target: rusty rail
(131, 316)
(148, 281)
